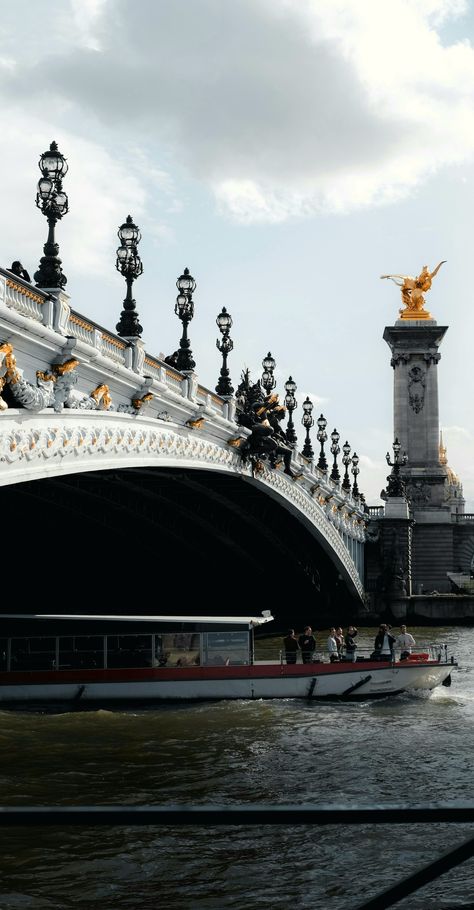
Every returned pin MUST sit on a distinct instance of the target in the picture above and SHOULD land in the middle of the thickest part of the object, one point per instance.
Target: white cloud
(281, 109)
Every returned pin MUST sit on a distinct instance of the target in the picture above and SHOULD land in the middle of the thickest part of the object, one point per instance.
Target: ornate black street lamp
(396, 484)
(322, 437)
(184, 309)
(346, 460)
(130, 266)
(268, 380)
(224, 323)
(290, 405)
(53, 202)
(355, 471)
(308, 422)
(334, 475)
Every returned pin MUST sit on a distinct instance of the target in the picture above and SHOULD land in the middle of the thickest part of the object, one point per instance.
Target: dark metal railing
(40, 816)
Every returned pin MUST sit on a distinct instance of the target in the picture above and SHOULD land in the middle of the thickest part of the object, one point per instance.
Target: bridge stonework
(77, 398)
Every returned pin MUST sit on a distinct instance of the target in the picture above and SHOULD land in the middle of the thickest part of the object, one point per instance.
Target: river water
(402, 750)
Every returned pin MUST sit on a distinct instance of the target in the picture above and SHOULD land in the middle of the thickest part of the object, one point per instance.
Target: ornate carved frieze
(431, 358)
(416, 388)
(399, 357)
(418, 492)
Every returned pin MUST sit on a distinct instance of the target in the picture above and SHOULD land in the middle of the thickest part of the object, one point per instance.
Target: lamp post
(334, 475)
(346, 460)
(355, 471)
(130, 266)
(184, 309)
(224, 324)
(322, 437)
(308, 422)
(290, 405)
(396, 484)
(268, 380)
(53, 202)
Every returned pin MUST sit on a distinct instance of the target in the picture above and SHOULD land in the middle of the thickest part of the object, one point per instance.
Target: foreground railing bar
(230, 815)
(424, 876)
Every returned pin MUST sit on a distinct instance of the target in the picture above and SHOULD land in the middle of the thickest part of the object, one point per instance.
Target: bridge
(113, 457)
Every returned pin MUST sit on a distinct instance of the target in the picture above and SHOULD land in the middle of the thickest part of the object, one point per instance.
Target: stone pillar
(414, 345)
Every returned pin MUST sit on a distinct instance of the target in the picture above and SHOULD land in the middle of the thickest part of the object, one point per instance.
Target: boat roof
(169, 618)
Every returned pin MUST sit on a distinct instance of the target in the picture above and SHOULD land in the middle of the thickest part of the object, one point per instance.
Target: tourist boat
(105, 660)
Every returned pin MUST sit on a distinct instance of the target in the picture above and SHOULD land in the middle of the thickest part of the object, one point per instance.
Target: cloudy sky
(288, 152)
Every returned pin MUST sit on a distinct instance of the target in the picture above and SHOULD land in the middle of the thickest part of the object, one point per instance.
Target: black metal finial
(396, 484)
(290, 405)
(130, 266)
(334, 475)
(53, 202)
(224, 386)
(308, 422)
(322, 438)
(184, 309)
(346, 460)
(268, 380)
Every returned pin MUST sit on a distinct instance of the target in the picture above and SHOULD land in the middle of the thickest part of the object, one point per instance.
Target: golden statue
(413, 290)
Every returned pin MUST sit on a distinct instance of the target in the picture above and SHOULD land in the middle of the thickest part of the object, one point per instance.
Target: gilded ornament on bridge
(196, 424)
(413, 290)
(139, 402)
(52, 389)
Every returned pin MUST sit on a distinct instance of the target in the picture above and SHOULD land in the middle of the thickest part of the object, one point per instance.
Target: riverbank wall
(429, 609)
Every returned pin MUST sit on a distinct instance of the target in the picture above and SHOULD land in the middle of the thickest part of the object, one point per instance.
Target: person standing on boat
(384, 642)
(291, 646)
(332, 646)
(405, 642)
(339, 636)
(307, 643)
(351, 646)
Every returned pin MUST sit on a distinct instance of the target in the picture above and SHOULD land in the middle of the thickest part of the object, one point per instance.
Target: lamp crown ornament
(53, 203)
(129, 264)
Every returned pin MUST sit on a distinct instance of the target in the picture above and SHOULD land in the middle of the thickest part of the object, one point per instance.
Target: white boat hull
(366, 680)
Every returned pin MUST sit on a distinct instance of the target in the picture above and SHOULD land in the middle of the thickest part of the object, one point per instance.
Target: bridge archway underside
(199, 541)
(49, 445)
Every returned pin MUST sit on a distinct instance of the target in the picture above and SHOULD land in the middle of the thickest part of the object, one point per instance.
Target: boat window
(3, 653)
(177, 649)
(129, 651)
(33, 653)
(87, 651)
(224, 648)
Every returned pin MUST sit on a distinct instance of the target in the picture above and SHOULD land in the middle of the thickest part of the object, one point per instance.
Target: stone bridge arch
(81, 407)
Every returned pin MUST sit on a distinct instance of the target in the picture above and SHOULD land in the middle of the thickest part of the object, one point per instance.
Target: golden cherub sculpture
(413, 290)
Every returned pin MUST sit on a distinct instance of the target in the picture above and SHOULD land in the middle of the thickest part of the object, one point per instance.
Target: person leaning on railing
(405, 642)
(307, 643)
(384, 644)
(290, 646)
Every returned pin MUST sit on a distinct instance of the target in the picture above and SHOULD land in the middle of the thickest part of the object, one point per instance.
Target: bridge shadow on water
(153, 541)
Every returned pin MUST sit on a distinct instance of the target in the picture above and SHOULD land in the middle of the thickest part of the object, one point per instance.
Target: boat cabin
(55, 642)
